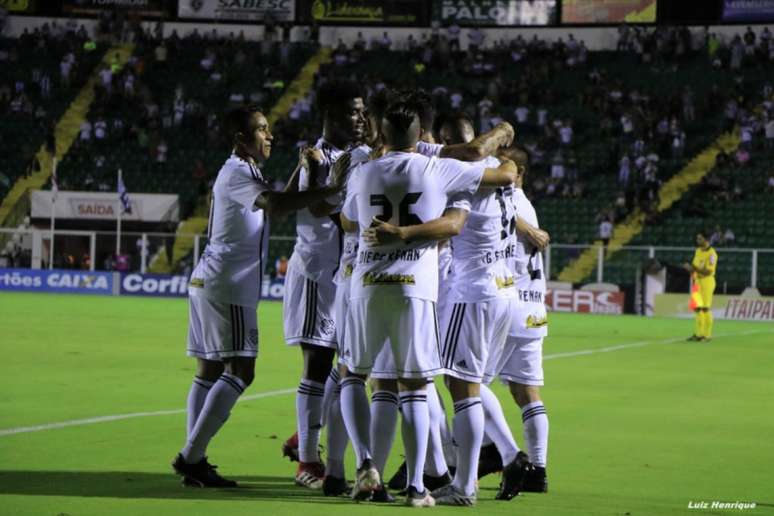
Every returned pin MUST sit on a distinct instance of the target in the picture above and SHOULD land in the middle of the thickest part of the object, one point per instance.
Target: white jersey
(404, 189)
(232, 265)
(316, 253)
(362, 154)
(530, 318)
(479, 270)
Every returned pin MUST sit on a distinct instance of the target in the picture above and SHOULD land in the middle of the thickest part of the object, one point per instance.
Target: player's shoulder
(360, 154)
(237, 169)
(429, 149)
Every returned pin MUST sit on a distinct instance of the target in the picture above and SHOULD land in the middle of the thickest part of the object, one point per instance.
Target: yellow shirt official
(705, 259)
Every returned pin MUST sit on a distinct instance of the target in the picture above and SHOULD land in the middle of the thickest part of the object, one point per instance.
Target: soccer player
(225, 287)
(521, 367)
(309, 288)
(476, 319)
(394, 287)
(702, 269)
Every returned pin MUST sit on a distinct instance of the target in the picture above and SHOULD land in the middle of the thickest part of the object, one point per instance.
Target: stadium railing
(95, 251)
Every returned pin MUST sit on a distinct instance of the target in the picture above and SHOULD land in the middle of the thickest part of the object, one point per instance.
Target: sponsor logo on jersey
(530, 296)
(507, 282)
(197, 282)
(534, 321)
(348, 270)
(384, 278)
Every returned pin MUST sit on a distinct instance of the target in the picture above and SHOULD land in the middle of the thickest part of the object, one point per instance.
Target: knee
(317, 362)
(385, 385)
(460, 389)
(524, 394)
(242, 368)
(208, 370)
(412, 384)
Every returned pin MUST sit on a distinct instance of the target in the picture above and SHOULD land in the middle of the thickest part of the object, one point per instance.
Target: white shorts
(473, 338)
(407, 326)
(220, 330)
(522, 362)
(307, 309)
(340, 309)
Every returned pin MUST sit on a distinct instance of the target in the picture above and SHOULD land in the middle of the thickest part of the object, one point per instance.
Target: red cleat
(290, 448)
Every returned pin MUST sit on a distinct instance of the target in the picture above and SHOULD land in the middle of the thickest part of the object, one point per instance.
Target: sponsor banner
(18, 6)
(63, 281)
(748, 10)
(495, 12)
(105, 206)
(164, 285)
(732, 308)
(153, 8)
(585, 301)
(392, 12)
(242, 10)
(609, 11)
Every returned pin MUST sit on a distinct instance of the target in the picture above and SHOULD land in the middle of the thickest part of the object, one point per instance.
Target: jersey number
(405, 217)
(509, 226)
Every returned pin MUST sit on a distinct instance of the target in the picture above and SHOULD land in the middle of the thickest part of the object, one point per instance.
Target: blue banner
(748, 10)
(156, 285)
(65, 281)
(162, 285)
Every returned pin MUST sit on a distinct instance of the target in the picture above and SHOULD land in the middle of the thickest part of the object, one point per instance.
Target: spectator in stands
(281, 267)
(729, 237)
(770, 185)
(716, 238)
(605, 230)
(769, 131)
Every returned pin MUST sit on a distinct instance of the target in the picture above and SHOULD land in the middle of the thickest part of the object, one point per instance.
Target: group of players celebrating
(414, 260)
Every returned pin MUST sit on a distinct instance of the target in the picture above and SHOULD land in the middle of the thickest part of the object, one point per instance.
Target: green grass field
(641, 422)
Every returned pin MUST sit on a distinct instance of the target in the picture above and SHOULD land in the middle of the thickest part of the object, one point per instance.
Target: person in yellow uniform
(702, 269)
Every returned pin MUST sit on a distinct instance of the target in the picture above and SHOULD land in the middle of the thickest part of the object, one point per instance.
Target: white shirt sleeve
(429, 149)
(349, 208)
(460, 201)
(458, 177)
(245, 185)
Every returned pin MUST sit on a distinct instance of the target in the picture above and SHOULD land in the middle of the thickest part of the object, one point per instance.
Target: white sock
(337, 437)
(497, 427)
(217, 407)
(196, 396)
(357, 416)
(468, 431)
(435, 463)
(309, 402)
(535, 422)
(415, 428)
(384, 419)
(331, 390)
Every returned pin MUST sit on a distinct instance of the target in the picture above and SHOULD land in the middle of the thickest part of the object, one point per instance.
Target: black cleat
(693, 338)
(381, 495)
(513, 477)
(433, 483)
(335, 486)
(201, 474)
(535, 481)
(399, 480)
(489, 461)
(416, 499)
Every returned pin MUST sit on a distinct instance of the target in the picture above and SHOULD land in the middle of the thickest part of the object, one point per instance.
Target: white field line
(269, 394)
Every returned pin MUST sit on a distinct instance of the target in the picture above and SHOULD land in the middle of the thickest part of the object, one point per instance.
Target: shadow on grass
(133, 484)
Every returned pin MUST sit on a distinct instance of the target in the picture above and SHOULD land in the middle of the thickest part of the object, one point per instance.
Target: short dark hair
(424, 106)
(237, 120)
(451, 118)
(401, 114)
(380, 100)
(336, 94)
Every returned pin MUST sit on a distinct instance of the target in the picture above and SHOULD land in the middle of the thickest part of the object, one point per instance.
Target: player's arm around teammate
(225, 288)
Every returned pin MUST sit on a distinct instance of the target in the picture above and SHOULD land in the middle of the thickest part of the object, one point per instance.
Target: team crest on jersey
(388, 279)
(536, 322)
(253, 337)
(327, 326)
